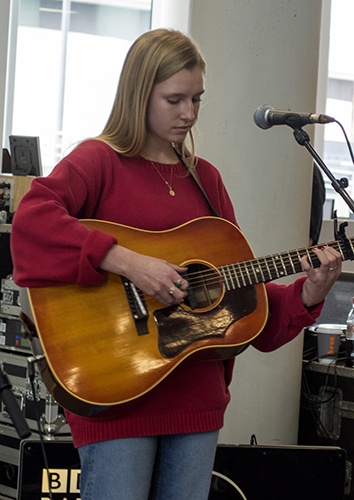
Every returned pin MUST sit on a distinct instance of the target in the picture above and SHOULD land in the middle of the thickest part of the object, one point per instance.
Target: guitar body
(100, 351)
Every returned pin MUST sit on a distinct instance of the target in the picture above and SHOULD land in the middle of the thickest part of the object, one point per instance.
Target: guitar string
(243, 280)
(267, 265)
(272, 266)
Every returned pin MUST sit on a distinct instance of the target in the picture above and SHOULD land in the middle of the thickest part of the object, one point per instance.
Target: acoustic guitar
(107, 345)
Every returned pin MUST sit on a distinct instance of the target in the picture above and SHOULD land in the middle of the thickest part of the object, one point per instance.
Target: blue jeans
(172, 467)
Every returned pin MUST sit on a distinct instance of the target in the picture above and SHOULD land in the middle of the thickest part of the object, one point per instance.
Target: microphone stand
(339, 186)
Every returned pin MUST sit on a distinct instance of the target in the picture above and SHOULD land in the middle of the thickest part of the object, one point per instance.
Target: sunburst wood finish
(106, 345)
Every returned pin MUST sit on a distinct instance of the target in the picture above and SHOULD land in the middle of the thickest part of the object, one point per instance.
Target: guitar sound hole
(205, 287)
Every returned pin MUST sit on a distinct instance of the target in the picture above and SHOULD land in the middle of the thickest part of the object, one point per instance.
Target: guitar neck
(279, 265)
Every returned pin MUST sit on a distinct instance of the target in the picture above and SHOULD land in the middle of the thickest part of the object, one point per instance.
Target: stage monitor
(278, 473)
(64, 466)
(25, 156)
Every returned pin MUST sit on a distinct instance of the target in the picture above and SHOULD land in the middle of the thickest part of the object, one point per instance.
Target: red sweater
(50, 247)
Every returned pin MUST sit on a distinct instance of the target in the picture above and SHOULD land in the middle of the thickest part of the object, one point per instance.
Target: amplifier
(280, 472)
(51, 414)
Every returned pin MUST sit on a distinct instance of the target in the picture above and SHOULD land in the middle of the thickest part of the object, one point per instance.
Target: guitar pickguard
(180, 327)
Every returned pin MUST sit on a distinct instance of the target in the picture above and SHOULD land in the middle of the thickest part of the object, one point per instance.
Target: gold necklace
(168, 184)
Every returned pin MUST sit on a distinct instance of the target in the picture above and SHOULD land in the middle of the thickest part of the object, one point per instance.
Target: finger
(181, 283)
(179, 269)
(172, 290)
(177, 295)
(329, 258)
(335, 259)
(305, 263)
(315, 273)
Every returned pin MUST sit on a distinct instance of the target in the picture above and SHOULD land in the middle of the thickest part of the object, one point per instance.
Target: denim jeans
(172, 467)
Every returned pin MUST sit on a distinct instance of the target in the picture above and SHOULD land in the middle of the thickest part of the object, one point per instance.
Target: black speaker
(64, 464)
(6, 265)
(278, 473)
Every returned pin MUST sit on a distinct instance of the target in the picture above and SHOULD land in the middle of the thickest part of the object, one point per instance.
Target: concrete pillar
(261, 53)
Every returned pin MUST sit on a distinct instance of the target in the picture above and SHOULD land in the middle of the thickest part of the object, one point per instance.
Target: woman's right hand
(158, 278)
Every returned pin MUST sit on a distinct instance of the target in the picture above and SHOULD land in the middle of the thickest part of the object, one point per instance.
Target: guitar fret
(255, 271)
(270, 266)
(291, 263)
(341, 251)
(232, 281)
(268, 270)
(248, 274)
(284, 271)
(242, 274)
(275, 266)
(309, 258)
(259, 269)
(225, 279)
(299, 257)
(236, 276)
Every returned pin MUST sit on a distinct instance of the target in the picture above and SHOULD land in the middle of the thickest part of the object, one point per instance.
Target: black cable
(309, 351)
(315, 402)
(326, 384)
(31, 377)
(347, 140)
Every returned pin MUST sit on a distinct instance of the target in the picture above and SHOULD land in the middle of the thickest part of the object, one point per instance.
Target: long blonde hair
(153, 58)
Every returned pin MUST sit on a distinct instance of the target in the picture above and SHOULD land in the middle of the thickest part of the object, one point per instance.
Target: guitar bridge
(137, 306)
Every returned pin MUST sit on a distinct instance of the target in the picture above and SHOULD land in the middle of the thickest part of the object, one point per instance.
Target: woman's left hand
(320, 280)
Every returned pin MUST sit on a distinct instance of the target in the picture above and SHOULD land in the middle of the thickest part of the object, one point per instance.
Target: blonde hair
(153, 58)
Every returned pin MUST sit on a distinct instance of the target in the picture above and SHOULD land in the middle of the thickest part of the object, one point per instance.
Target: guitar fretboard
(272, 267)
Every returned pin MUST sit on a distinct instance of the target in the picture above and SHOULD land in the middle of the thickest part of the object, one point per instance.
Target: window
(340, 99)
(68, 60)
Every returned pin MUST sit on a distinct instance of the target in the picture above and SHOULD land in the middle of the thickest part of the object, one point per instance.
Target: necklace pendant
(172, 193)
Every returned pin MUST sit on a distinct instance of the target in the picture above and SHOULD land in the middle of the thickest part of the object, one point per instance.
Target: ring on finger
(179, 283)
(172, 290)
(333, 268)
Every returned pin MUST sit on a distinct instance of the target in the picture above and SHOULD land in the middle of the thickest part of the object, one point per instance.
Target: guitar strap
(198, 181)
(232, 351)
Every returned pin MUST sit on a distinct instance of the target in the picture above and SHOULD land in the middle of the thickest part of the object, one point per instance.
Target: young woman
(160, 446)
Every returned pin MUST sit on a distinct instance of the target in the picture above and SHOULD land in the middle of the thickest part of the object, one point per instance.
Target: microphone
(265, 117)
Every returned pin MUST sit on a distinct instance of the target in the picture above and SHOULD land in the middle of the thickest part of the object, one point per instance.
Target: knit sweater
(51, 247)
